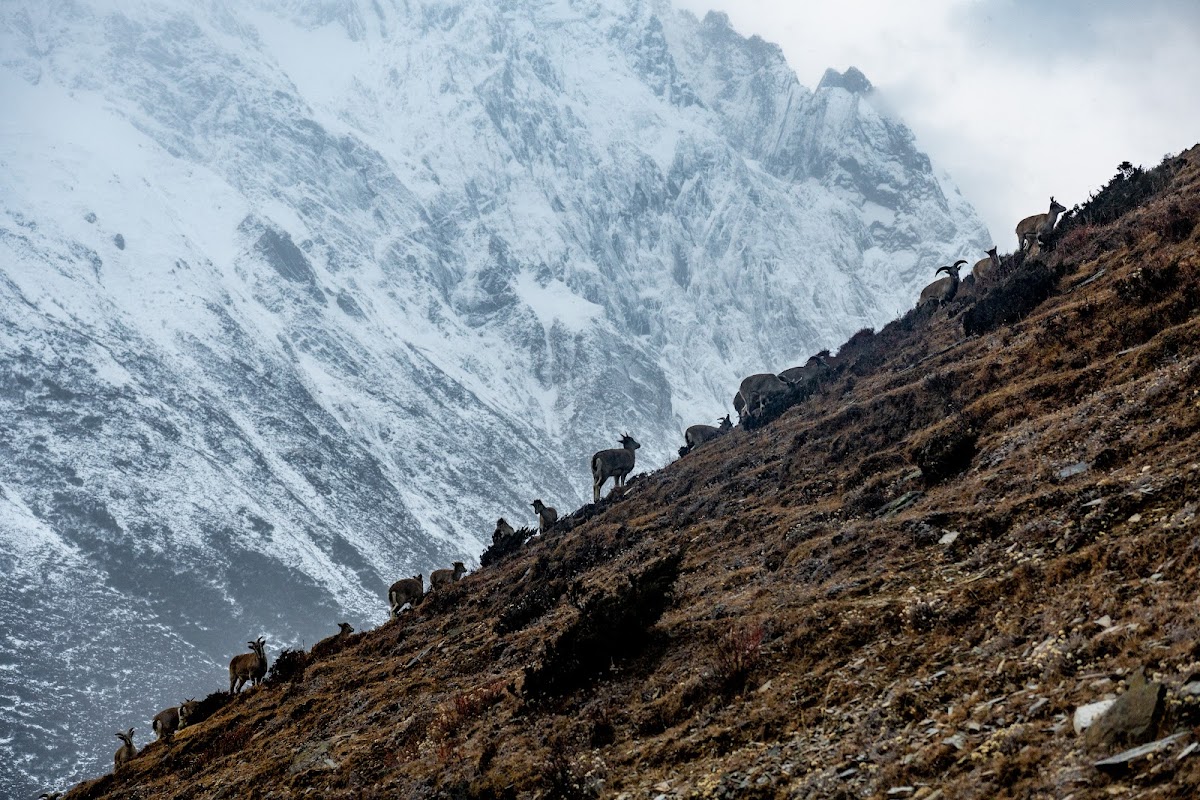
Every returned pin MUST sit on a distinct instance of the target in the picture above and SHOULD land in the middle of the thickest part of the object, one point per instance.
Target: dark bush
(1012, 299)
(287, 667)
(1149, 283)
(504, 546)
(209, 706)
(944, 450)
(1130, 188)
(609, 628)
(1176, 222)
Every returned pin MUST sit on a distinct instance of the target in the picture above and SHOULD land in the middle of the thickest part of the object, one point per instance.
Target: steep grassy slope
(835, 622)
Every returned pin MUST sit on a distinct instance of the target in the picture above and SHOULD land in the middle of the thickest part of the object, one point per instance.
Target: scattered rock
(1086, 715)
(1135, 518)
(90, 216)
(1122, 760)
(901, 791)
(1105, 621)
(1134, 717)
(1074, 469)
(958, 741)
(119, 241)
(899, 504)
(949, 537)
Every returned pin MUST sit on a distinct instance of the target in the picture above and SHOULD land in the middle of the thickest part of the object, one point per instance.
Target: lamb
(546, 515)
(614, 463)
(444, 577)
(986, 267)
(127, 750)
(331, 643)
(248, 667)
(757, 390)
(406, 592)
(697, 435)
(943, 290)
(1032, 228)
(503, 531)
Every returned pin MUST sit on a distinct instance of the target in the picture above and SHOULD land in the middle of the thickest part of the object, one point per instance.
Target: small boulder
(945, 449)
(1085, 716)
(1134, 717)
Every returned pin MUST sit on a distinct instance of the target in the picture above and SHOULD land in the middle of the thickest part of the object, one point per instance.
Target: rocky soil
(906, 585)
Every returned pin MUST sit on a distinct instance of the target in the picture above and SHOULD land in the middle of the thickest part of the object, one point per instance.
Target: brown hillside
(842, 624)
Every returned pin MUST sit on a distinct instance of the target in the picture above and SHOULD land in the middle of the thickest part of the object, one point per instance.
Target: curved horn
(960, 262)
(943, 269)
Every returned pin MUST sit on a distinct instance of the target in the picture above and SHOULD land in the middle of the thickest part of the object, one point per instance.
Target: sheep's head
(992, 253)
(258, 646)
(953, 269)
(347, 629)
(628, 442)
(725, 423)
(538, 505)
(186, 709)
(1056, 206)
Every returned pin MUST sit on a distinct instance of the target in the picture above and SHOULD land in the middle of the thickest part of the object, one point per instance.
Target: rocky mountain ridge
(962, 566)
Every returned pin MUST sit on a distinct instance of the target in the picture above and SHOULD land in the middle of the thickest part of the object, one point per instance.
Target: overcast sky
(1016, 99)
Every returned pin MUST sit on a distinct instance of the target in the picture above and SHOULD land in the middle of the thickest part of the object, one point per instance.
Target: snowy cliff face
(297, 298)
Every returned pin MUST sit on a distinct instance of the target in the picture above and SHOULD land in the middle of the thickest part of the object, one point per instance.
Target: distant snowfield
(555, 303)
(298, 298)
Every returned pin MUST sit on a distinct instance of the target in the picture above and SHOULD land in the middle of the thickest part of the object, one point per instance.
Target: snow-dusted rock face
(297, 298)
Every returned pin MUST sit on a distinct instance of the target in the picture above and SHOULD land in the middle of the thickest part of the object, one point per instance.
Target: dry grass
(823, 637)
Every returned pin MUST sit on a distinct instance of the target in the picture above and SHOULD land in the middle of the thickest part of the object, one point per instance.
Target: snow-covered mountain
(297, 297)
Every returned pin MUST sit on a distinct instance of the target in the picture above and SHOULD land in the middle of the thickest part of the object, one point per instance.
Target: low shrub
(288, 667)
(503, 546)
(209, 706)
(737, 653)
(1128, 189)
(1011, 299)
(945, 450)
(610, 627)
